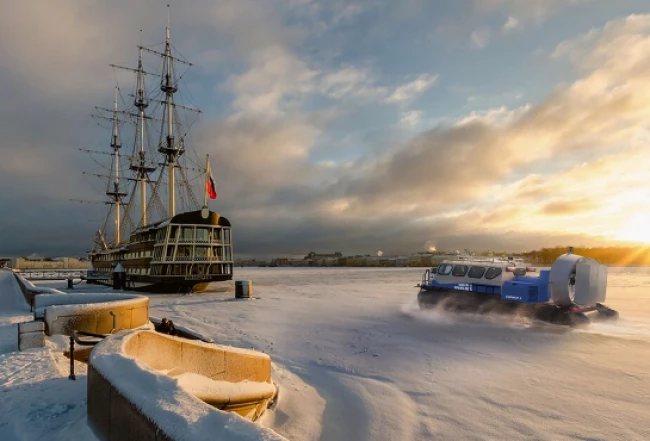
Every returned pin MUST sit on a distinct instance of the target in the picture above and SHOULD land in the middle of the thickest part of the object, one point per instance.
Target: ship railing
(212, 260)
(188, 259)
(182, 241)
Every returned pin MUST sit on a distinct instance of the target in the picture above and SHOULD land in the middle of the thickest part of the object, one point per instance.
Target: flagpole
(207, 173)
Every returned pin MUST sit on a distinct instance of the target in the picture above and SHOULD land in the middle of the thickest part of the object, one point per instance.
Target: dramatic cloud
(317, 145)
(461, 164)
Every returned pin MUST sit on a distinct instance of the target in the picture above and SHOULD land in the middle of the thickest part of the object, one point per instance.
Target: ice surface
(384, 370)
(435, 376)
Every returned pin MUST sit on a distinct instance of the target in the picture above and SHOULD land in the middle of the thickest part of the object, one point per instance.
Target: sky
(350, 126)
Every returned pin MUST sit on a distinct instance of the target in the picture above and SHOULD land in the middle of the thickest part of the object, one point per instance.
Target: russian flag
(211, 187)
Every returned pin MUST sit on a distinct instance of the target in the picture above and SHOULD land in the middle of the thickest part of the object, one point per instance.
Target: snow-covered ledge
(30, 290)
(145, 386)
(98, 313)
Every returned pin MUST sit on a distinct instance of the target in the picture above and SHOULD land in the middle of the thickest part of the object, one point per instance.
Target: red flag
(211, 187)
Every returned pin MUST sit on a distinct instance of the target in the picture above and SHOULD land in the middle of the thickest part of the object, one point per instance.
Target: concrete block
(251, 367)
(98, 399)
(113, 416)
(209, 362)
(158, 351)
(127, 423)
(28, 340)
(31, 326)
(140, 314)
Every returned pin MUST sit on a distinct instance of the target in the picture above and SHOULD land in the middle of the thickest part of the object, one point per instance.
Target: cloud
(511, 24)
(480, 38)
(276, 77)
(277, 80)
(464, 163)
(528, 10)
(476, 23)
(409, 91)
(564, 207)
(518, 171)
(411, 118)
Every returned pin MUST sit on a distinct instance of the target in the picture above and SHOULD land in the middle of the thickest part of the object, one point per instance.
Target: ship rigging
(175, 246)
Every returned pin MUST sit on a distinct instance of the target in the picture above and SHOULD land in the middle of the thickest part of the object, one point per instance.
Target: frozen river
(356, 360)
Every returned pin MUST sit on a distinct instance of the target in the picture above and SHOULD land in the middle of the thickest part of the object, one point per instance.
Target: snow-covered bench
(143, 385)
(97, 313)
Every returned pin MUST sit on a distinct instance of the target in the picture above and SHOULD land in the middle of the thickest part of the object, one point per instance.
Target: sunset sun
(636, 228)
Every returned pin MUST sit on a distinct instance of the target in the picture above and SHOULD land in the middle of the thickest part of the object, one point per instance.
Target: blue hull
(475, 303)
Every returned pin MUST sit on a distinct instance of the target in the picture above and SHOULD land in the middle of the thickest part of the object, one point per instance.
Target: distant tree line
(613, 256)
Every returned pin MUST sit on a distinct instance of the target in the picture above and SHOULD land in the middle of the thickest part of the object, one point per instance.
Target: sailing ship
(155, 248)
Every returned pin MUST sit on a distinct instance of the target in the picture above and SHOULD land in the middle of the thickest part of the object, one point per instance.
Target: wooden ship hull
(182, 254)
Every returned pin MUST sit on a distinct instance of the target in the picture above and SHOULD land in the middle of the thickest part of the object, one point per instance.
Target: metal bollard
(72, 376)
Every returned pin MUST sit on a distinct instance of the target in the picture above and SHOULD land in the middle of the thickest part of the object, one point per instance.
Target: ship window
(187, 234)
(459, 270)
(202, 234)
(445, 269)
(493, 273)
(476, 272)
(183, 252)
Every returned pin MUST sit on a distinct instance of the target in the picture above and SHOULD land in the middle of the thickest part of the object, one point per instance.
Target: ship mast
(171, 148)
(140, 168)
(113, 190)
(170, 151)
(138, 159)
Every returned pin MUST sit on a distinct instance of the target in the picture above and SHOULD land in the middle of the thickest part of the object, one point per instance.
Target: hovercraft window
(520, 272)
(493, 273)
(445, 269)
(460, 270)
(476, 272)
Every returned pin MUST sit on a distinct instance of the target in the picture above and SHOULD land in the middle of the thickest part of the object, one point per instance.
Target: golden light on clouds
(636, 228)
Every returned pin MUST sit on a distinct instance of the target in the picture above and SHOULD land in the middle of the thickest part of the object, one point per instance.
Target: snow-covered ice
(355, 359)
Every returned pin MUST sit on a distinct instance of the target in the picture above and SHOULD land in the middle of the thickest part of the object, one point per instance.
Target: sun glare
(635, 229)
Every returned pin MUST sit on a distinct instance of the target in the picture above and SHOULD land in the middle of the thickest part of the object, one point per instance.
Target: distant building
(60, 263)
(316, 259)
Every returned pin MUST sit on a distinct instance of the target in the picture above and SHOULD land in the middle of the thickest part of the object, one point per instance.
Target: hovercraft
(571, 293)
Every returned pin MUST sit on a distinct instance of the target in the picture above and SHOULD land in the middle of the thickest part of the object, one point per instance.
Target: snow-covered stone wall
(30, 290)
(145, 386)
(98, 313)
